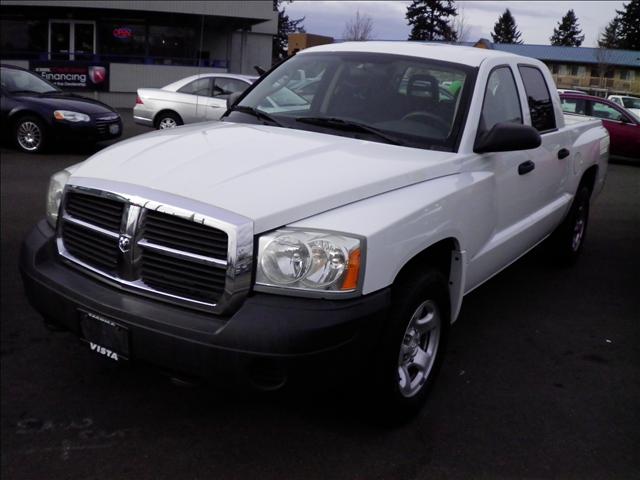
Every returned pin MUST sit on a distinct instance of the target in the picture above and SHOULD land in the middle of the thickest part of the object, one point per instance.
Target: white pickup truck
(335, 233)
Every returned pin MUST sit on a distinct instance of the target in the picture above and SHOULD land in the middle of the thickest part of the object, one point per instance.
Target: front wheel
(412, 345)
(30, 134)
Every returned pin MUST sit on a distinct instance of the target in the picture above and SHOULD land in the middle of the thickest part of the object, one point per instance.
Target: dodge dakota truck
(324, 227)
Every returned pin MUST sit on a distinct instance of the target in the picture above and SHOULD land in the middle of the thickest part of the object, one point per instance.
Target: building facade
(136, 43)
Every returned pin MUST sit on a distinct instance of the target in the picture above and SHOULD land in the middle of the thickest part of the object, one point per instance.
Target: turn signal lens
(139, 100)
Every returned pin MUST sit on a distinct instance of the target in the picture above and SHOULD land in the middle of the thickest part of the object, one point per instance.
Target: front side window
(201, 86)
(600, 110)
(540, 105)
(501, 102)
(223, 87)
(381, 97)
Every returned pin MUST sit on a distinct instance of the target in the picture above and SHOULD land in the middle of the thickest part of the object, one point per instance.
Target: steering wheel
(428, 117)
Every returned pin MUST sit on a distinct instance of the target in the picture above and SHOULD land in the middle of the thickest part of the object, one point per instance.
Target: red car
(623, 126)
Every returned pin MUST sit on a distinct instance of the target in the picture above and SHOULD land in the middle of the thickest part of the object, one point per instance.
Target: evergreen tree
(629, 33)
(567, 34)
(429, 20)
(285, 27)
(610, 38)
(505, 29)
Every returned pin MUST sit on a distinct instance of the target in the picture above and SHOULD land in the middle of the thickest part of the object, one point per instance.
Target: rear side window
(574, 105)
(501, 102)
(540, 104)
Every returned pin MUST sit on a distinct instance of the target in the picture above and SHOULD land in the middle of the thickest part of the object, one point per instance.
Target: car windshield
(21, 81)
(630, 102)
(415, 102)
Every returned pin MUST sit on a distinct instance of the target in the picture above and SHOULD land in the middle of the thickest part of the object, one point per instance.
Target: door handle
(563, 153)
(526, 167)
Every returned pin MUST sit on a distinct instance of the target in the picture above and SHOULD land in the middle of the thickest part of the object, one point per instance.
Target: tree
(610, 37)
(429, 20)
(359, 28)
(629, 20)
(461, 26)
(285, 27)
(567, 34)
(505, 29)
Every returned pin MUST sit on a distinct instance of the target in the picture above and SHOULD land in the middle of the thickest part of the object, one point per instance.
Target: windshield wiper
(256, 113)
(350, 125)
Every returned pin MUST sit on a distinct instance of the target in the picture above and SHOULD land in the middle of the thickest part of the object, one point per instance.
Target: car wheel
(568, 239)
(168, 120)
(412, 345)
(30, 134)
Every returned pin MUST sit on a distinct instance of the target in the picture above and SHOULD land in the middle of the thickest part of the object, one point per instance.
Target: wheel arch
(589, 177)
(157, 116)
(446, 256)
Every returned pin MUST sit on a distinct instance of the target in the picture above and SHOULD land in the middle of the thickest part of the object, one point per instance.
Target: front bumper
(89, 131)
(269, 341)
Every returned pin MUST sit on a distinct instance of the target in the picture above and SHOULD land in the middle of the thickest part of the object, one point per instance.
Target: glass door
(59, 40)
(71, 39)
(83, 41)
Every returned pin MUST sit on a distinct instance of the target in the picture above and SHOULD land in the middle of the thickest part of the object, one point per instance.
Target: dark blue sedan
(35, 114)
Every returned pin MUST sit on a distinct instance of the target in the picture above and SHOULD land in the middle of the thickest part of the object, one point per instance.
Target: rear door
(190, 101)
(553, 157)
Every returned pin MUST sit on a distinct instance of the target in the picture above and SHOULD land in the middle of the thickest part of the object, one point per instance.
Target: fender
(403, 223)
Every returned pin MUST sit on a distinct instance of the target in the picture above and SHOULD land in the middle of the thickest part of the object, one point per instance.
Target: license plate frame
(105, 336)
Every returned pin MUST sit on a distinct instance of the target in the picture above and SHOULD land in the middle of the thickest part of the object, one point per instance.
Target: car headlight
(54, 195)
(70, 116)
(313, 261)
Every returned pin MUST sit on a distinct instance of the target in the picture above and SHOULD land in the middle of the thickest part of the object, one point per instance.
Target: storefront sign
(122, 33)
(73, 75)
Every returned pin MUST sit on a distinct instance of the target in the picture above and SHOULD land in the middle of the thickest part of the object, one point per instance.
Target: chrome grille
(103, 212)
(167, 252)
(185, 235)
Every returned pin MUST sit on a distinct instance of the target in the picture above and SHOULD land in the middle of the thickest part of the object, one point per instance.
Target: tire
(29, 134)
(411, 346)
(568, 239)
(168, 120)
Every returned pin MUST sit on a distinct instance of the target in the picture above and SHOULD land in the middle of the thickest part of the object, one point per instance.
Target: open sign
(122, 32)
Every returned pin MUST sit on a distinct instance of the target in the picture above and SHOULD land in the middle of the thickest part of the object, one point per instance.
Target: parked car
(565, 90)
(623, 126)
(333, 240)
(193, 99)
(35, 113)
(630, 103)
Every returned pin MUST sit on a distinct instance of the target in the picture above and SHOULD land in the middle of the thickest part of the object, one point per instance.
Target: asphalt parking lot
(542, 379)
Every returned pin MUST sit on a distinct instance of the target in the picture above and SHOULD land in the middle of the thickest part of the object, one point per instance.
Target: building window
(574, 70)
(21, 38)
(172, 45)
(625, 75)
(122, 41)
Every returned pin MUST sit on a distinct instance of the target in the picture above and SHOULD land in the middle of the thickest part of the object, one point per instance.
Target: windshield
(630, 102)
(418, 102)
(21, 81)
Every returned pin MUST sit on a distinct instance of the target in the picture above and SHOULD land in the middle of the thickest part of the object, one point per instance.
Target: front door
(71, 40)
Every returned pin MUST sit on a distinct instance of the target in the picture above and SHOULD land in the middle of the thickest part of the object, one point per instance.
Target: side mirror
(508, 137)
(233, 99)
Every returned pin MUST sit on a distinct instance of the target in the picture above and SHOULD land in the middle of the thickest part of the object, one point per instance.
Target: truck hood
(271, 175)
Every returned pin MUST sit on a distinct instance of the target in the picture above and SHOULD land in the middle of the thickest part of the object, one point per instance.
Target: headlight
(54, 195)
(70, 116)
(308, 261)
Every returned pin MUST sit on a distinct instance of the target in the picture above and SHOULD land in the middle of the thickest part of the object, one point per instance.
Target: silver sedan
(198, 98)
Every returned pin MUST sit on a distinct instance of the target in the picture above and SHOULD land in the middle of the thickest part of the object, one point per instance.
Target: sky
(535, 19)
